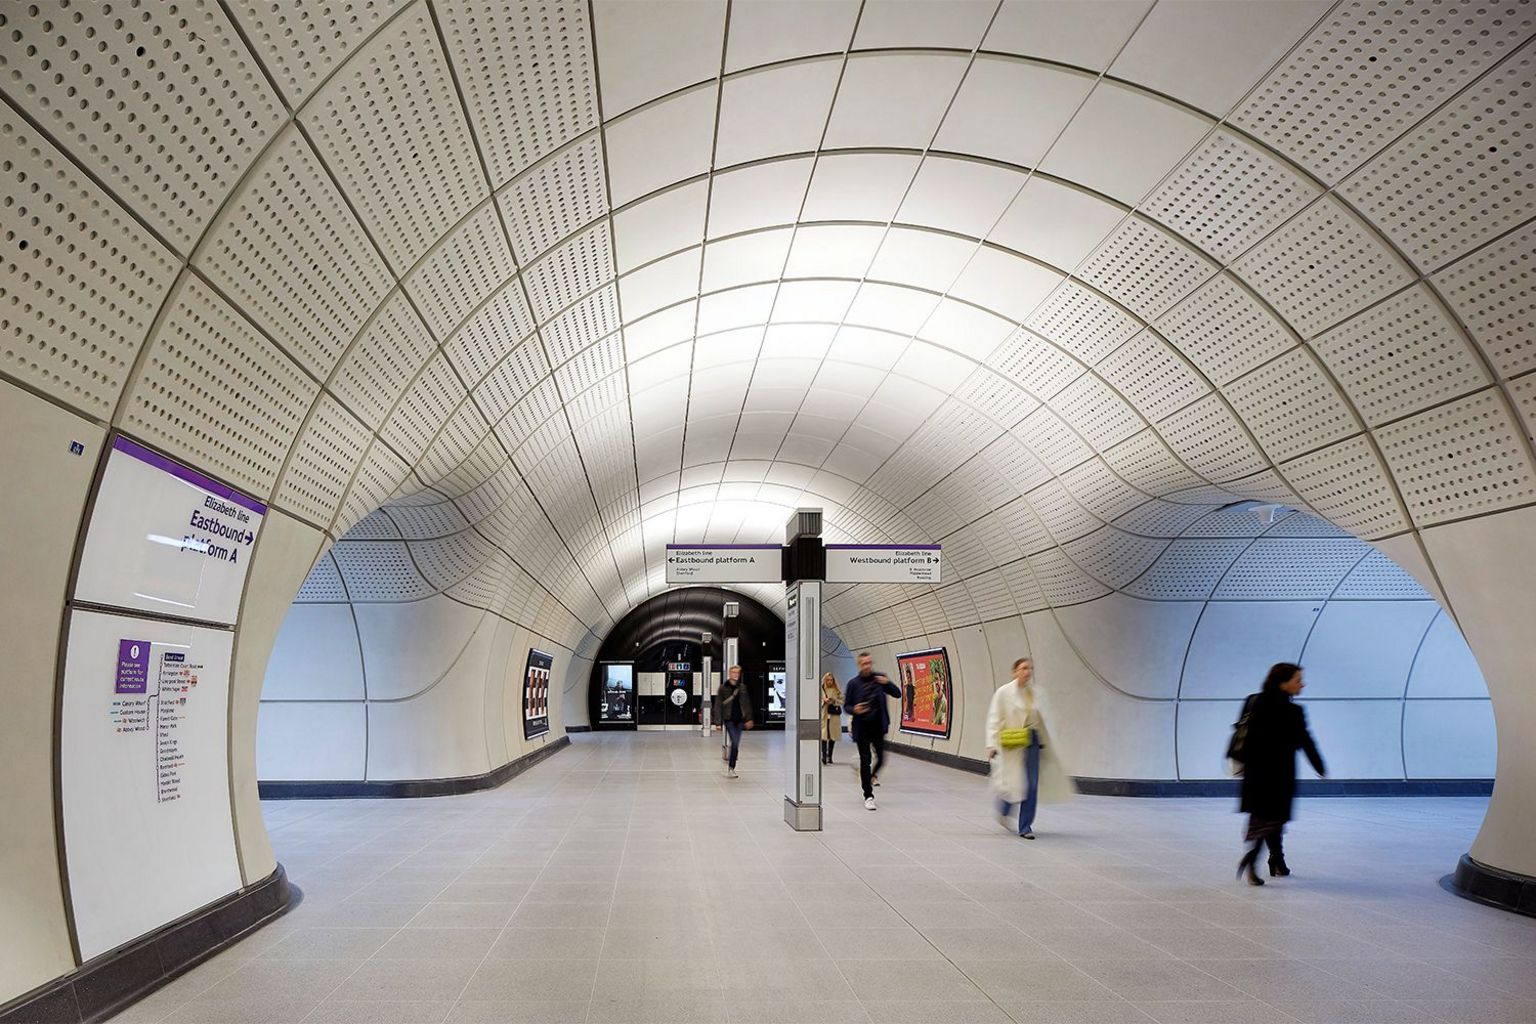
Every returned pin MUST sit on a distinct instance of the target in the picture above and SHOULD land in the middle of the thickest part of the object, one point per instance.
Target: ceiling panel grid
(1291, 406)
(386, 357)
(1228, 195)
(1062, 515)
(1369, 71)
(990, 596)
(78, 304)
(515, 378)
(1212, 441)
(133, 99)
(1150, 374)
(1456, 181)
(322, 462)
(1023, 585)
(1161, 518)
(1224, 331)
(1187, 570)
(1097, 410)
(424, 409)
(276, 246)
(1145, 269)
(1290, 570)
(323, 584)
(527, 73)
(216, 393)
(1146, 463)
(379, 571)
(1461, 459)
(302, 44)
(390, 126)
(1348, 483)
(1114, 557)
(462, 271)
(381, 472)
(1095, 486)
(1400, 356)
(1493, 292)
(1082, 322)
(1062, 581)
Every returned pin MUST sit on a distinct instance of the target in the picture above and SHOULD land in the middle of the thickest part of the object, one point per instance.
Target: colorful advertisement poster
(926, 693)
(617, 704)
(536, 694)
(777, 699)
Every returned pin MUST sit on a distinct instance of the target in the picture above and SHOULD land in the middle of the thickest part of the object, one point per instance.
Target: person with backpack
(735, 701)
(1265, 739)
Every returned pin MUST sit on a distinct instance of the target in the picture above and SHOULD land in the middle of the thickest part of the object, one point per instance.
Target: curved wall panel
(1240, 307)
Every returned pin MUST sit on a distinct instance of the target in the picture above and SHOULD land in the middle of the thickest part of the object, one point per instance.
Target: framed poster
(616, 703)
(536, 694)
(777, 679)
(926, 692)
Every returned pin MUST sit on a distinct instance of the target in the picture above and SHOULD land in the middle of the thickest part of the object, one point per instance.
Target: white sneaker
(1002, 819)
(869, 803)
(730, 773)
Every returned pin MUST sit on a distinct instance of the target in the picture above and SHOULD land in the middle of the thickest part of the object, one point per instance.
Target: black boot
(1245, 866)
(1277, 868)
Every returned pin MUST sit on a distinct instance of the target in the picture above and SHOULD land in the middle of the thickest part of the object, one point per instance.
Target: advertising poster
(144, 774)
(776, 696)
(926, 694)
(617, 703)
(166, 539)
(536, 694)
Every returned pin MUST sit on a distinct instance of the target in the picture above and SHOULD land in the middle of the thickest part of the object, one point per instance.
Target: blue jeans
(1031, 789)
(733, 730)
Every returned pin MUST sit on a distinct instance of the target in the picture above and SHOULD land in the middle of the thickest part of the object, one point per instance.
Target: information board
(617, 706)
(725, 563)
(884, 563)
(926, 692)
(164, 538)
(536, 694)
(144, 774)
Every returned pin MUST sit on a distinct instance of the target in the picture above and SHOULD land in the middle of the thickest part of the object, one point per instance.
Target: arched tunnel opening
(359, 366)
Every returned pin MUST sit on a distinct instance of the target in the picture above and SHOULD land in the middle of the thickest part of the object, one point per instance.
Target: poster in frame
(536, 693)
(927, 692)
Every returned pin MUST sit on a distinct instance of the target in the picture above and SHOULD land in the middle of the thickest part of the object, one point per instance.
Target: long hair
(1280, 672)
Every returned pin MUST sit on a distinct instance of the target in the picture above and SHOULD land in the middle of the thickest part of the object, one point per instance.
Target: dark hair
(865, 654)
(1280, 672)
(1022, 661)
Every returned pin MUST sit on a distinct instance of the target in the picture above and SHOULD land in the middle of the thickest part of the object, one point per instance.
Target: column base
(802, 817)
(1483, 884)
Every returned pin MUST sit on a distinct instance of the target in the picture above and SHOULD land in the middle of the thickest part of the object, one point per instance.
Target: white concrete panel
(407, 646)
(300, 741)
(1011, 110)
(284, 555)
(1487, 565)
(647, 48)
(1449, 739)
(39, 474)
(1445, 665)
(1365, 648)
(1359, 739)
(1237, 641)
(1116, 118)
(438, 733)
(974, 681)
(1099, 733)
(315, 656)
(1205, 729)
(1138, 646)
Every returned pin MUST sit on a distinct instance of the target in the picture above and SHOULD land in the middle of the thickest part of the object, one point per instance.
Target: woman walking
(1270, 730)
(831, 715)
(1025, 767)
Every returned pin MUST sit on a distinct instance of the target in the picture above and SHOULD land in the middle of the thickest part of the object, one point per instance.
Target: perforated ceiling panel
(444, 265)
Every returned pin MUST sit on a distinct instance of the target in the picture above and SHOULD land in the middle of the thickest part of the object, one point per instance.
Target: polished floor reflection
(626, 881)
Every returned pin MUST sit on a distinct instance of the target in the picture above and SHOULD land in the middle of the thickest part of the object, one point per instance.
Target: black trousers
(870, 744)
(826, 750)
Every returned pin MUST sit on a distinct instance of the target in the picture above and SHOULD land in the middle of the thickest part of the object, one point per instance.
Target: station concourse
(411, 411)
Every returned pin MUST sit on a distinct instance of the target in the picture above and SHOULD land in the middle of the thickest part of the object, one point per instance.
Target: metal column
(805, 565)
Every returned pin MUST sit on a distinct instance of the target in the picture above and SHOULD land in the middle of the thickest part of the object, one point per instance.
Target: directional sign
(725, 563)
(883, 563)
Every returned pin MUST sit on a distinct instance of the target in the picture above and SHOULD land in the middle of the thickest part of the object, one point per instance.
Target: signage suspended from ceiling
(883, 563)
(725, 563)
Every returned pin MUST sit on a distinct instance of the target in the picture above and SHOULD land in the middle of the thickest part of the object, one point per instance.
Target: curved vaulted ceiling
(557, 285)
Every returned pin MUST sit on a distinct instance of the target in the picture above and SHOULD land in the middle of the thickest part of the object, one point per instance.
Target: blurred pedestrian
(735, 713)
(1266, 736)
(1025, 765)
(866, 693)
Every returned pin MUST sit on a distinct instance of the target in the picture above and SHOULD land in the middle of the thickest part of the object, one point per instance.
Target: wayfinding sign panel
(724, 563)
(883, 563)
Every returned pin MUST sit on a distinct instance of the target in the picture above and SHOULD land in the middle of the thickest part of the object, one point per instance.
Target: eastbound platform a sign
(725, 563)
(883, 563)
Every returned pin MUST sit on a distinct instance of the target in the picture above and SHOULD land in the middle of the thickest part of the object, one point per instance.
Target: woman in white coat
(1023, 776)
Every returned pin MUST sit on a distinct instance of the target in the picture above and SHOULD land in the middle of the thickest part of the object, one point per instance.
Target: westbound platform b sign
(804, 565)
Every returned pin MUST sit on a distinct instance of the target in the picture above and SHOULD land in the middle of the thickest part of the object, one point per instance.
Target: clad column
(805, 564)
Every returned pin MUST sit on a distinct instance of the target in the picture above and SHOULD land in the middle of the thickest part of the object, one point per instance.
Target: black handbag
(1236, 746)
(834, 709)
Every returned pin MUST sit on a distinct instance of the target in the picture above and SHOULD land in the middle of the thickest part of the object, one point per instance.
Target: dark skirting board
(360, 790)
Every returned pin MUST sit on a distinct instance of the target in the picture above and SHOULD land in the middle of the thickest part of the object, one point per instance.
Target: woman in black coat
(1276, 729)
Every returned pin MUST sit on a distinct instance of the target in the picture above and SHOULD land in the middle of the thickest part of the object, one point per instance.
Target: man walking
(865, 700)
(735, 713)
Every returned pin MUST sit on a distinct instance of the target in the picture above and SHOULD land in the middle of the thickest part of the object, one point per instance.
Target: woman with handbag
(1025, 767)
(1267, 735)
(831, 715)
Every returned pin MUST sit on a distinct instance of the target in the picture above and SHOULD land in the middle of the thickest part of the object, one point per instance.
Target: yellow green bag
(1013, 739)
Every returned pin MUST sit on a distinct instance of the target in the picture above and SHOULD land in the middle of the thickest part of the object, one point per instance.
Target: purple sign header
(722, 547)
(886, 547)
(191, 476)
(132, 666)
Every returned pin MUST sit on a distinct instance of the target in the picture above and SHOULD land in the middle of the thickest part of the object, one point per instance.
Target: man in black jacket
(735, 704)
(865, 699)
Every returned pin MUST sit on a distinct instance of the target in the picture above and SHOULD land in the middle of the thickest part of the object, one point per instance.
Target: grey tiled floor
(626, 881)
